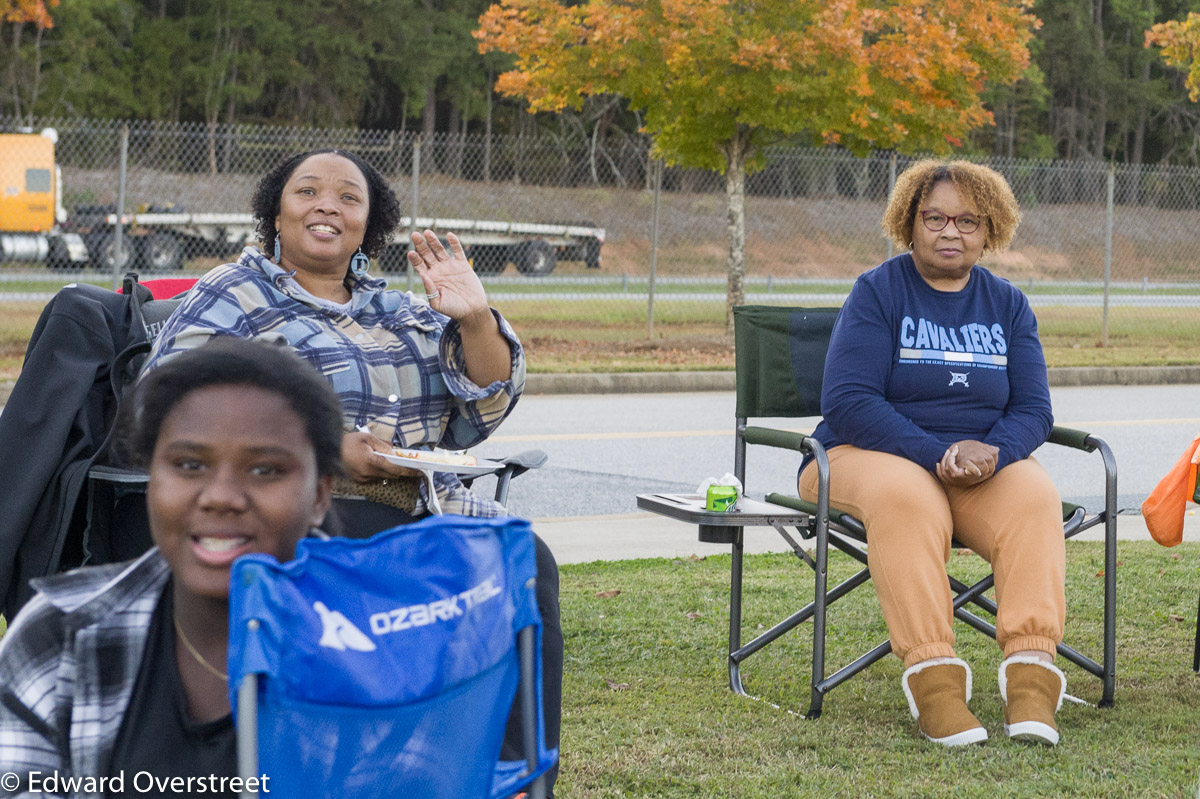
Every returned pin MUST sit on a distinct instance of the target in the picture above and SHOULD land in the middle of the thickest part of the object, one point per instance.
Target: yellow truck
(34, 225)
(31, 209)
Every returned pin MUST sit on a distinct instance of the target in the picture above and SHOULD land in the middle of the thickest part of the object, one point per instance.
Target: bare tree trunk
(222, 56)
(603, 120)
(455, 146)
(999, 115)
(1012, 131)
(35, 89)
(1100, 121)
(1139, 130)
(3, 59)
(487, 131)
(428, 128)
(1101, 125)
(1071, 118)
(13, 67)
(212, 146)
(230, 112)
(735, 223)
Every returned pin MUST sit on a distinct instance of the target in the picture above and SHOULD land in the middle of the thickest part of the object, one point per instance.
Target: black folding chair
(780, 360)
(70, 502)
(57, 426)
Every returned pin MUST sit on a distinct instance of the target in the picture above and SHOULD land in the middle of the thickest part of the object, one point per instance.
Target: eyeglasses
(936, 220)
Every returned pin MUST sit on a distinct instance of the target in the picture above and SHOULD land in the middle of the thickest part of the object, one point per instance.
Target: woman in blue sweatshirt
(935, 394)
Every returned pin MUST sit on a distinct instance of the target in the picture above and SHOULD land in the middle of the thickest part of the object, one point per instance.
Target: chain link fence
(1104, 252)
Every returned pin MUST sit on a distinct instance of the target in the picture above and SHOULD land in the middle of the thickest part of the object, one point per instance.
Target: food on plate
(448, 458)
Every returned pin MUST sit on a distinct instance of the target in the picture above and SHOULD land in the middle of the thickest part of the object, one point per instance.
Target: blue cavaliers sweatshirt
(912, 369)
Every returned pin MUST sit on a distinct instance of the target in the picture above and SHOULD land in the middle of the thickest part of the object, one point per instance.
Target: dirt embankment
(798, 237)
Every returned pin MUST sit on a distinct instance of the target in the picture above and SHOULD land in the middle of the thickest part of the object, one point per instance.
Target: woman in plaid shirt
(416, 374)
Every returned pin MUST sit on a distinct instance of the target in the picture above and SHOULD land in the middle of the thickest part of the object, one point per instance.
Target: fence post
(891, 188)
(658, 176)
(416, 204)
(118, 227)
(1108, 236)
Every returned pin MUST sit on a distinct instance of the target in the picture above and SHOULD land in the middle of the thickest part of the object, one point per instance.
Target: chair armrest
(783, 439)
(525, 461)
(1076, 439)
(512, 466)
(118, 475)
(840, 518)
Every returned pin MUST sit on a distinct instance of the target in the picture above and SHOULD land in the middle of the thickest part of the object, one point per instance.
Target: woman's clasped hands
(967, 463)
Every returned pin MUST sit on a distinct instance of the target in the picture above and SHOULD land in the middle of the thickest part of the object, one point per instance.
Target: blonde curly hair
(985, 187)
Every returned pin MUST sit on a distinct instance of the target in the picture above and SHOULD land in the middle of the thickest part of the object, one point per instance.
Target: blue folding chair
(387, 667)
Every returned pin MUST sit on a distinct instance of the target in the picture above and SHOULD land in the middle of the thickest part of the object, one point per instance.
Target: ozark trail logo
(959, 377)
(339, 633)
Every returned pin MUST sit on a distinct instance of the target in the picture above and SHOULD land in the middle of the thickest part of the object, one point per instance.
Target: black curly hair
(383, 212)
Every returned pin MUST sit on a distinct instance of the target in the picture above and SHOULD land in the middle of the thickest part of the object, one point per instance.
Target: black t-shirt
(157, 739)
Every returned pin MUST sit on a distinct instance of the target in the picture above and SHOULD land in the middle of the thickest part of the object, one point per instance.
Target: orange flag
(1163, 510)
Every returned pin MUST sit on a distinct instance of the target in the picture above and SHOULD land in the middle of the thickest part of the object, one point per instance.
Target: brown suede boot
(938, 691)
(1032, 690)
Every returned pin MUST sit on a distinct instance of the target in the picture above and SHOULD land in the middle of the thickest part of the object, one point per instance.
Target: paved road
(604, 449)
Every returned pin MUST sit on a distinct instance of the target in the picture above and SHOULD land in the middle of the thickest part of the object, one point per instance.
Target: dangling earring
(359, 263)
(277, 250)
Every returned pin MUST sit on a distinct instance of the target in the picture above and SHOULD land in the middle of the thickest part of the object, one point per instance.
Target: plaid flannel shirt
(396, 363)
(68, 665)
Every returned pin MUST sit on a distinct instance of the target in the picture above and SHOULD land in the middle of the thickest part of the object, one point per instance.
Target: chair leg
(1109, 680)
(735, 613)
(820, 604)
(1196, 651)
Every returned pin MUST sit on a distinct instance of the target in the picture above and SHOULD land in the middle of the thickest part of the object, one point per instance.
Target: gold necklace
(210, 668)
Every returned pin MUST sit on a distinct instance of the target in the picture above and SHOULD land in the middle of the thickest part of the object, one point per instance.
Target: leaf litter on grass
(682, 733)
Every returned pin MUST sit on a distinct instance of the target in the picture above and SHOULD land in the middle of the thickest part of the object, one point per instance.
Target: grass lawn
(647, 712)
(613, 336)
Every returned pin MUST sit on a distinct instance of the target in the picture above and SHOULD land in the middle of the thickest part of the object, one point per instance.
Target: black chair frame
(780, 365)
(116, 495)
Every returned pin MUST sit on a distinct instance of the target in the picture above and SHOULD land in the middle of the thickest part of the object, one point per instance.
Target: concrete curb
(664, 382)
(660, 382)
(626, 536)
(1123, 375)
(628, 382)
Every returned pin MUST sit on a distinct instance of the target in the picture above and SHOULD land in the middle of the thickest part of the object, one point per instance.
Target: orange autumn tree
(15, 17)
(22, 11)
(716, 80)
(1180, 43)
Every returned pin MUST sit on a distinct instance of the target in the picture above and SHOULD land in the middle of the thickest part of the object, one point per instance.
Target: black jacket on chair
(54, 426)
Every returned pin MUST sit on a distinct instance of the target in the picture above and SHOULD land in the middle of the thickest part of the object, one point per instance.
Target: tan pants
(1013, 520)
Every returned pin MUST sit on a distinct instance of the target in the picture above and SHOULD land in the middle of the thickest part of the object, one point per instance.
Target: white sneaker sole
(976, 735)
(1032, 731)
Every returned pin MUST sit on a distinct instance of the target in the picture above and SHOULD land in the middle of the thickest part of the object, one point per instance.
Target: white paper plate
(421, 461)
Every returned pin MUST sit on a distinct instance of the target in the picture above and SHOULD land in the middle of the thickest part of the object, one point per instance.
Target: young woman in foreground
(119, 670)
